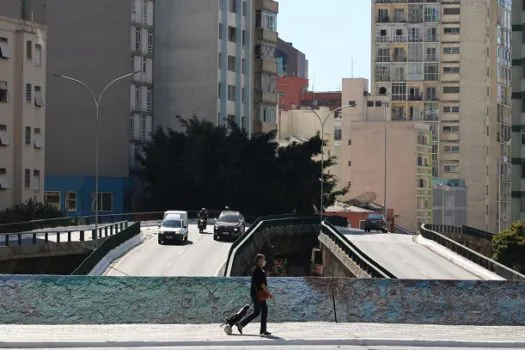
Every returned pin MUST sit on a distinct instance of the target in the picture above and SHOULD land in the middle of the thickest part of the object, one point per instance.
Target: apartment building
(22, 111)
(447, 63)
(518, 111)
(216, 68)
(359, 145)
(265, 66)
(291, 62)
(94, 41)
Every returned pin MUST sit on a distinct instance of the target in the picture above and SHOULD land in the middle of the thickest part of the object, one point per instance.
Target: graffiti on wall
(117, 300)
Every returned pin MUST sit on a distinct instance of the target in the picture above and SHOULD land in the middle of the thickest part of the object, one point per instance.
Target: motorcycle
(202, 225)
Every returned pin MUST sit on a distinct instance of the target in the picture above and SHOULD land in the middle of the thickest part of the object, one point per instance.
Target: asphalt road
(200, 256)
(400, 255)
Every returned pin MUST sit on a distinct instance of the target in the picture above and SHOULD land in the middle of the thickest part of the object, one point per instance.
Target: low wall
(117, 300)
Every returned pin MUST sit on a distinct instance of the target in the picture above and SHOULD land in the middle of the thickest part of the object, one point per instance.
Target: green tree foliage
(30, 210)
(509, 246)
(209, 166)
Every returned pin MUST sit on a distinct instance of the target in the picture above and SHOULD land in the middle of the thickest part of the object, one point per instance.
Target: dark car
(376, 222)
(229, 224)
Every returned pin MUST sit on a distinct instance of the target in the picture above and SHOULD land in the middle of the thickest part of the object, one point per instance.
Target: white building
(22, 112)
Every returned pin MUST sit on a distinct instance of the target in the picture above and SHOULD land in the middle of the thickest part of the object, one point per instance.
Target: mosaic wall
(113, 300)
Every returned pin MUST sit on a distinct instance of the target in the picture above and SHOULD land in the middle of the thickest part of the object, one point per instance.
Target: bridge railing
(358, 256)
(464, 230)
(63, 235)
(41, 224)
(428, 232)
(401, 230)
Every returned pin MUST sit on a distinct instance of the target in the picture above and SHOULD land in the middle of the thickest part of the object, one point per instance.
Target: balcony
(383, 19)
(415, 38)
(432, 38)
(400, 38)
(415, 97)
(265, 97)
(262, 34)
(399, 58)
(383, 39)
(270, 5)
(265, 66)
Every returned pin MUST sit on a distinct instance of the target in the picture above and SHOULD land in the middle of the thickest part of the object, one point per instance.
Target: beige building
(447, 64)
(22, 112)
(302, 124)
(361, 154)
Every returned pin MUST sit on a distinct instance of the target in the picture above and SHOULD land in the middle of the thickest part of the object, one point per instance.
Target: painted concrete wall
(117, 300)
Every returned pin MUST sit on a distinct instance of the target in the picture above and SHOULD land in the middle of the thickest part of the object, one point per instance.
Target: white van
(174, 227)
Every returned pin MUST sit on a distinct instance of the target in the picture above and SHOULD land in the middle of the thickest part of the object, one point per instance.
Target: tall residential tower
(447, 63)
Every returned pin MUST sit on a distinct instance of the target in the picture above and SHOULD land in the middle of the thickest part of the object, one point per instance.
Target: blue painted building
(74, 195)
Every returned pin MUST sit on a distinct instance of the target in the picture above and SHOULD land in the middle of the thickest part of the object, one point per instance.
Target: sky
(330, 33)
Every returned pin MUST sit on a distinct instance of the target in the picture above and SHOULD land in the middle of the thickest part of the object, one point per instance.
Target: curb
(270, 341)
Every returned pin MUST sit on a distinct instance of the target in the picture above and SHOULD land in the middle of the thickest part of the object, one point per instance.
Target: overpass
(342, 252)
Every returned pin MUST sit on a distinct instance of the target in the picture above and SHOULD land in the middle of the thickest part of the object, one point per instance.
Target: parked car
(229, 224)
(376, 222)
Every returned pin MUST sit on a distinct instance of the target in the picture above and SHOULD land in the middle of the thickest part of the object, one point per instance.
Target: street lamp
(386, 107)
(323, 122)
(96, 101)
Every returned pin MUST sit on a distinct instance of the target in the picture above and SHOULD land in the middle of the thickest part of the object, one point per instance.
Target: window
(523, 171)
(145, 12)
(36, 180)
(3, 91)
(338, 135)
(266, 20)
(220, 30)
(451, 30)
(451, 109)
(29, 93)
(71, 201)
(27, 178)
(232, 34)
(4, 48)
(29, 50)
(451, 149)
(138, 103)
(38, 55)
(4, 185)
(451, 50)
(52, 198)
(383, 55)
(243, 37)
(219, 90)
(244, 10)
(431, 71)
(27, 135)
(233, 6)
(243, 66)
(105, 201)
(451, 70)
(451, 10)
(150, 41)
(451, 89)
(231, 92)
(231, 63)
(243, 95)
(450, 128)
(144, 65)
(38, 142)
(39, 101)
(138, 39)
(149, 99)
(370, 103)
(4, 137)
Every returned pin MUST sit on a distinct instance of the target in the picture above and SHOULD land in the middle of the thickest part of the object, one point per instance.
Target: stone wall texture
(121, 300)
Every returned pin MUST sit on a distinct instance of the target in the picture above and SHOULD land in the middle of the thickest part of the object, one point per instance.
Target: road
(400, 255)
(200, 256)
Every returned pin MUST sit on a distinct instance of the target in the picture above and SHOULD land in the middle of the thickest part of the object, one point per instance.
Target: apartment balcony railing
(431, 58)
(398, 116)
(415, 97)
(413, 39)
(400, 58)
(432, 38)
(383, 19)
(399, 38)
(431, 98)
(415, 19)
(383, 39)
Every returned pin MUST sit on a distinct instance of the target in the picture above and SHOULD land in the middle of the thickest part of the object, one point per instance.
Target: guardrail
(491, 265)
(260, 224)
(364, 262)
(98, 254)
(464, 230)
(62, 235)
(403, 231)
(41, 224)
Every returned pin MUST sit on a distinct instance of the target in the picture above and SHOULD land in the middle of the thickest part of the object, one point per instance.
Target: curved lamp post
(96, 102)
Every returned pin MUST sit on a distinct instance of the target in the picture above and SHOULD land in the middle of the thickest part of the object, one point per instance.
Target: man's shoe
(239, 327)
(266, 333)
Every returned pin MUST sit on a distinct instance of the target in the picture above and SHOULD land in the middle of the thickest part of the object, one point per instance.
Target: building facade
(22, 111)
(450, 202)
(120, 42)
(441, 65)
(359, 145)
(518, 111)
(265, 66)
(290, 61)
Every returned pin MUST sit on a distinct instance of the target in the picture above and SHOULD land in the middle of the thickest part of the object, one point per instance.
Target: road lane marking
(117, 263)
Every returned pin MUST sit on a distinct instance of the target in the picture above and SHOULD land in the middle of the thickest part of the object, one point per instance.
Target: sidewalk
(284, 334)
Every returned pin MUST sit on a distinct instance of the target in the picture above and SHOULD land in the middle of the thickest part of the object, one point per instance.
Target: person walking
(259, 293)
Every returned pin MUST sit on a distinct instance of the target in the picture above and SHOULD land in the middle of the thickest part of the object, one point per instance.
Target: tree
(509, 246)
(15, 219)
(212, 166)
